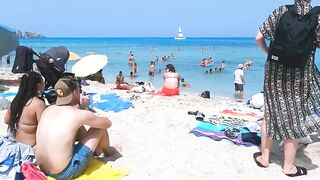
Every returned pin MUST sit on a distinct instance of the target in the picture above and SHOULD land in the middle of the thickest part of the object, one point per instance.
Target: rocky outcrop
(33, 35)
(27, 34)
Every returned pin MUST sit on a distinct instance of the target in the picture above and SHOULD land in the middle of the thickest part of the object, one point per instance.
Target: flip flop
(255, 155)
(300, 172)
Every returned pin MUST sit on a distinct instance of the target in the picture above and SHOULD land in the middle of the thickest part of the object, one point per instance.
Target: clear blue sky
(138, 18)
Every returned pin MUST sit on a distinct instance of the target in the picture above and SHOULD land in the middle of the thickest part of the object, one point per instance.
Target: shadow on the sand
(301, 158)
(116, 155)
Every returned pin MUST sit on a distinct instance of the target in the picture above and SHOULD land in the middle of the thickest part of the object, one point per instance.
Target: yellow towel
(99, 170)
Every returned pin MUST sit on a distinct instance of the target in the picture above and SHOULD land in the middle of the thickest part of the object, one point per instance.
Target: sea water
(187, 53)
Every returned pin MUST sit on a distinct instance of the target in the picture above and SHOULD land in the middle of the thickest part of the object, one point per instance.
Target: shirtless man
(61, 125)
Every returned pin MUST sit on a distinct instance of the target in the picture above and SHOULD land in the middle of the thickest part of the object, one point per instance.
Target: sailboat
(180, 35)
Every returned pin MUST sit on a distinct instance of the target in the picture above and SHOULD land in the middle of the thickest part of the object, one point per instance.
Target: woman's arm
(7, 118)
(40, 107)
(261, 42)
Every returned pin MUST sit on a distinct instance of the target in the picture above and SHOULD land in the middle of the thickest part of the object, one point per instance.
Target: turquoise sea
(188, 54)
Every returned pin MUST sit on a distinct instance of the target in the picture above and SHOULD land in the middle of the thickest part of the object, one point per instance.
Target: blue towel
(108, 102)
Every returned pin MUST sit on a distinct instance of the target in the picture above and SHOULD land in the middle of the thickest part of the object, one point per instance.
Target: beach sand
(157, 144)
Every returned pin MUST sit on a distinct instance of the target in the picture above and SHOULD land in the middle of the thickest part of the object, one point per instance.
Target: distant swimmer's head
(64, 90)
(120, 73)
(182, 79)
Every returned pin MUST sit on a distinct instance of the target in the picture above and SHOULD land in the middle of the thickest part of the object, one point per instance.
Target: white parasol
(89, 65)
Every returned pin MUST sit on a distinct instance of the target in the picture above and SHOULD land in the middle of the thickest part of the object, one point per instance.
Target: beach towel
(247, 116)
(217, 132)
(32, 172)
(156, 93)
(108, 102)
(99, 170)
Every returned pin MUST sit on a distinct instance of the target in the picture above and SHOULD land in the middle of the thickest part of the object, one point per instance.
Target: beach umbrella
(8, 40)
(73, 56)
(89, 65)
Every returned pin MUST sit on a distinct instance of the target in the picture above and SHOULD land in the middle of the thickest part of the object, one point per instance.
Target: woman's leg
(266, 145)
(290, 150)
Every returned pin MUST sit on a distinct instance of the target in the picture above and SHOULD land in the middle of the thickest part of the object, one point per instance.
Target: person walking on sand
(61, 125)
(291, 94)
(171, 81)
(239, 80)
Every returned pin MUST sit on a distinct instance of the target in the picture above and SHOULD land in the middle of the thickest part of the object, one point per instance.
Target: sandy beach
(157, 144)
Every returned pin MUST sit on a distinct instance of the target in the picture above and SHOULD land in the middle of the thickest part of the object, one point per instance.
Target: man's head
(240, 66)
(67, 91)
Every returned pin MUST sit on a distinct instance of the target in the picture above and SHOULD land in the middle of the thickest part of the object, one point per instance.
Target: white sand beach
(157, 144)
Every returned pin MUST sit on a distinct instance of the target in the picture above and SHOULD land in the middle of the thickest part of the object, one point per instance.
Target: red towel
(31, 172)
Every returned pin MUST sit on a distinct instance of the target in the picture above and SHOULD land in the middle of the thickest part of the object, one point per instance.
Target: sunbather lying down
(61, 126)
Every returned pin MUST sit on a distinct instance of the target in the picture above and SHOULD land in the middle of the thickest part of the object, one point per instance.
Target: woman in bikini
(26, 108)
(171, 81)
(120, 83)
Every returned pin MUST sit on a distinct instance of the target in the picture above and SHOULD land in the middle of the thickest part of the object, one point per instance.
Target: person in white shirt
(239, 80)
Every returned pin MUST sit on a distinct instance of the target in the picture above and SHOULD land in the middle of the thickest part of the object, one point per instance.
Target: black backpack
(205, 94)
(295, 38)
(23, 61)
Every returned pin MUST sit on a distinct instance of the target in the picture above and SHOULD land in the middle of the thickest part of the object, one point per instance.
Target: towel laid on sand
(99, 170)
(217, 132)
(248, 116)
(108, 102)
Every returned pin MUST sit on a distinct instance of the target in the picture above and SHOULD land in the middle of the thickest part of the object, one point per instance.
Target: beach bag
(23, 61)
(205, 94)
(31, 172)
(295, 38)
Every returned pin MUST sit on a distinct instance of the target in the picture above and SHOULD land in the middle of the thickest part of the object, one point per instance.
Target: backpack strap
(291, 7)
(315, 10)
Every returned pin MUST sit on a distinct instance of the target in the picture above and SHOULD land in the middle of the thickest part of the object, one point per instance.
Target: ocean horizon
(188, 53)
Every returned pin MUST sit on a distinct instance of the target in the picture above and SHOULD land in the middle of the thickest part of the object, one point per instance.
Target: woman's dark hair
(170, 67)
(27, 90)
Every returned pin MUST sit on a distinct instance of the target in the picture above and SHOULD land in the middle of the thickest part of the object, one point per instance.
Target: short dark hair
(170, 67)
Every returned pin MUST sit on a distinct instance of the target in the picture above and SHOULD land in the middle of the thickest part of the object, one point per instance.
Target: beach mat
(217, 132)
(156, 93)
(247, 116)
(108, 102)
(99, 170)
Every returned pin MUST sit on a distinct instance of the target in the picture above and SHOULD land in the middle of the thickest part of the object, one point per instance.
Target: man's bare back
(58, 131)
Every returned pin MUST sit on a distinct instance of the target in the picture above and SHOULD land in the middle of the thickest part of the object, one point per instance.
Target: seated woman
(171, 81)
(120, 83)
(26, 108)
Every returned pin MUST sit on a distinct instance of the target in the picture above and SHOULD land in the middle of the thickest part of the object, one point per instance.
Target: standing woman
(171, 81)
(292, 98)
(26, 108)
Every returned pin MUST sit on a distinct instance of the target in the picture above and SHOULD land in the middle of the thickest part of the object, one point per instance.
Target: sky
(138, 18)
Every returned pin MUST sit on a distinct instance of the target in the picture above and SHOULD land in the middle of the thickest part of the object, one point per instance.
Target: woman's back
(26, 109)
(27, 126)
(171, 80)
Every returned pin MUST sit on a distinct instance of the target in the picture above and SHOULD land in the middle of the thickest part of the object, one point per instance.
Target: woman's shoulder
(36, 101)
